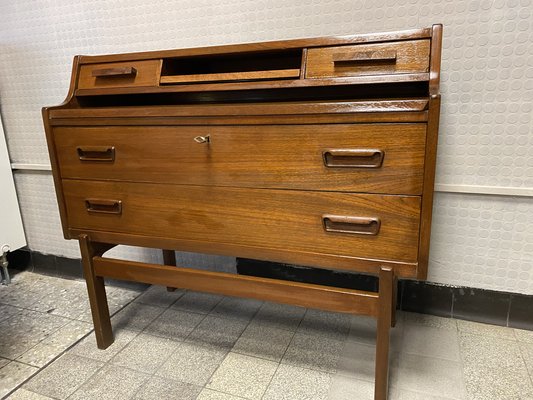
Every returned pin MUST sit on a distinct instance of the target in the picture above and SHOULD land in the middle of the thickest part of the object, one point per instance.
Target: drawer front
(368, 59)
(345, 224)
(375, 158)
(121, 74)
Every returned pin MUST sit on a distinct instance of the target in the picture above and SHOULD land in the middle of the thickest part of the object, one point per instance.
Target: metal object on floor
(6, 280)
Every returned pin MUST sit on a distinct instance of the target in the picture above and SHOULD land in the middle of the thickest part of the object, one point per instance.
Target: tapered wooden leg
(97, 295)
(169, 258)
(386, 278)
(394, 300)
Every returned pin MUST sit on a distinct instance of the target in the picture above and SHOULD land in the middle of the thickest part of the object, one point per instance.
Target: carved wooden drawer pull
(353, 158)
(96, 153)
(103, 206)
(353, 225)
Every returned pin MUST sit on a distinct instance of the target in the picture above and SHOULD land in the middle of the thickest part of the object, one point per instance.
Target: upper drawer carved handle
(96, 153)
(103, 206)
(117, 71)
(353, 158)
(202, 139)
(366, 57)
(353, 225)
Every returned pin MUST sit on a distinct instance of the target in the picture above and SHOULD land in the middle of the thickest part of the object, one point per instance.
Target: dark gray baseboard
(57, 266)
(480, 305)
(488, 306)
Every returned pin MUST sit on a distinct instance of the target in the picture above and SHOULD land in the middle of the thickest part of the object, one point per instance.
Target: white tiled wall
(486, 125)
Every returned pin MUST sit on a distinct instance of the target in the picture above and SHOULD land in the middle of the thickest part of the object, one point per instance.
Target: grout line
(247, 325)
(284, 353)
(509, 310)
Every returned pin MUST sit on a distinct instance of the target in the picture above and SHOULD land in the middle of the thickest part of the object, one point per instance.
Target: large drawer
(343, 224)
(375, 158)
(369, 59)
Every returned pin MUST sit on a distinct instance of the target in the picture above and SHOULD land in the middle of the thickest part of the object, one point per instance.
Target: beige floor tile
(429, 320)
(493, 368)
(165, 389)
(485, 330)
(238, 308)
(69, 302)
(363, 330)
(111, 382)
(40, 354)
(68, 334)
(7, 311)
(88, 348)
(526, 349)
(174, 324)
(431, 342)
(243, 376)
(197, 302)
(159, 296)
(4, 362)
(23, 394)
(61, 378)
(192, 363)
(208, 394)
(145, 353)
(345, 388)
(263, 341)
(12, 375)
(220, 332)
(315, 352)
(357, 361)
(19, 297)
(430, 375)
(280, 316)
(135, 317)
(320, 323)
(523, 335)
(294, 383)
(23, 331)
(51, 347)
(403, 394)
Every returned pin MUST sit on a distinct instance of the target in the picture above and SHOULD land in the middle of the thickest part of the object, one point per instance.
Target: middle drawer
(374, 158)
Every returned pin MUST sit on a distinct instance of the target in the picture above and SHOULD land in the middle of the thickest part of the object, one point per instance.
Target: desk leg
(97, 295)
(394, 299)
(169, 258)
(386, 280)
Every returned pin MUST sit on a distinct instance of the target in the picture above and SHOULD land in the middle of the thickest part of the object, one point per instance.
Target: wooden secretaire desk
(318, 152)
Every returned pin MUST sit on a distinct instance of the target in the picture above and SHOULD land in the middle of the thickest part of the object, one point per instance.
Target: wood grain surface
(146, 74)
(278, 219)
(369, 59)
(287, 156)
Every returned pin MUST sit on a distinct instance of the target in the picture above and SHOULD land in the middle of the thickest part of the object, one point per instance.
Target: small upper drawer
(368, 59)
(121, 74)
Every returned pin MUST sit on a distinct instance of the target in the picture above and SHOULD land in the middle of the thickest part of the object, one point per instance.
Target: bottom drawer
(346, 224)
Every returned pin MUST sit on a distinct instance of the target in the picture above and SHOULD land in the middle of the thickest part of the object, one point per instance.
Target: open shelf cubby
(232, 68)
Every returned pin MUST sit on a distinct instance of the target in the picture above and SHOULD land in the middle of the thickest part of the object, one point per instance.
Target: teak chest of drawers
(319, 152)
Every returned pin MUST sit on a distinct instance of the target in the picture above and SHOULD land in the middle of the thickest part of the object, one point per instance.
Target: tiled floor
(187, 345)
